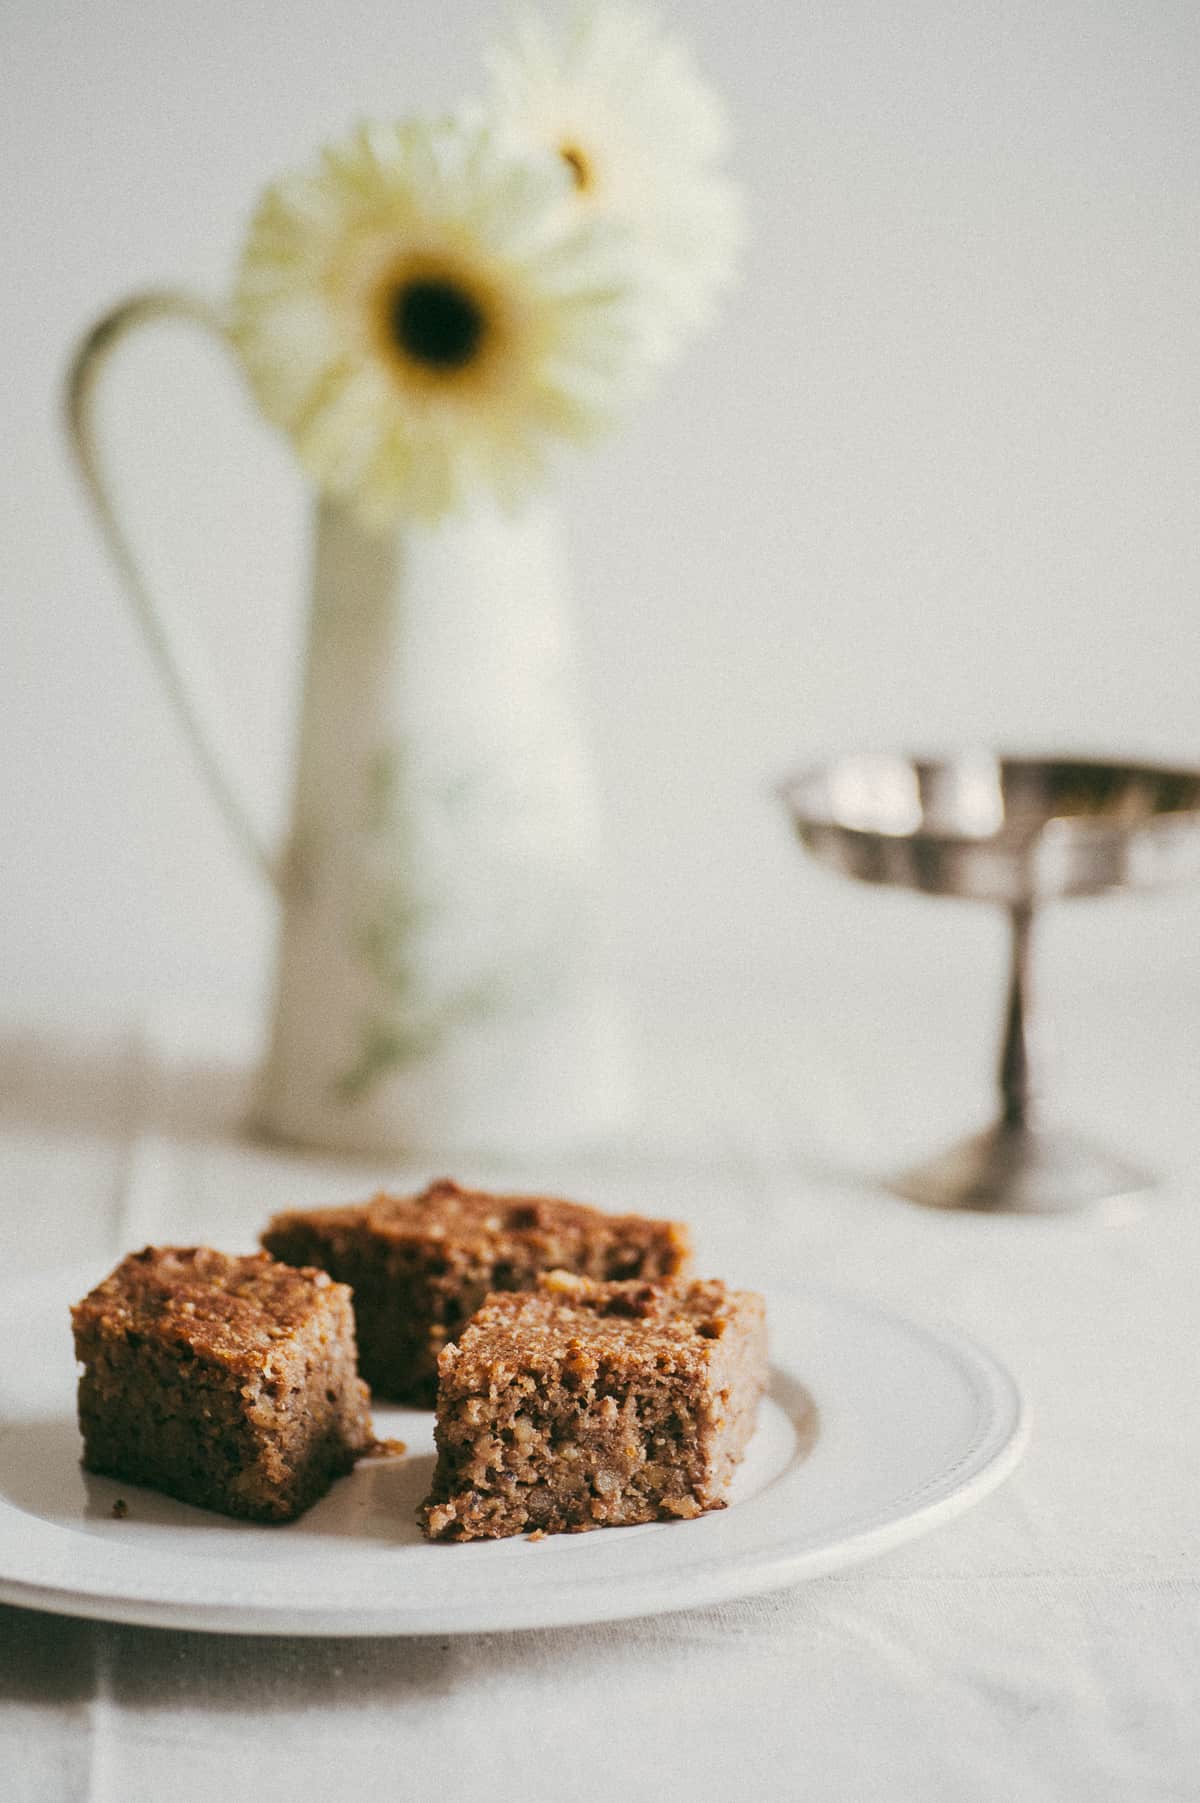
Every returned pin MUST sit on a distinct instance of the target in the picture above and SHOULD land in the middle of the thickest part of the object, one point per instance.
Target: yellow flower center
(582, 173)
(435, 321)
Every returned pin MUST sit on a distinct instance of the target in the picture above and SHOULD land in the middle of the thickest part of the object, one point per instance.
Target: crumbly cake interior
(226, 1382)
(594, 1405)
(421, 1265)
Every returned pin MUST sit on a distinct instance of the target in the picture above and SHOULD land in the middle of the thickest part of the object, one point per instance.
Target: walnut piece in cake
(421, 1265)
(585, 1404)
(226, 1382)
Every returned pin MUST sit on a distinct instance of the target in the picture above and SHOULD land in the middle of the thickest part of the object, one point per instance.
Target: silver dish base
(1017, 1168)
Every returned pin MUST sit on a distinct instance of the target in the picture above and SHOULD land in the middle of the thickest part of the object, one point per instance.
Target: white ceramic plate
(876, 1428)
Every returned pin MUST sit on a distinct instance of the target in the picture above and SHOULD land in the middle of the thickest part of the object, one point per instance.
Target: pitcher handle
(185, 671)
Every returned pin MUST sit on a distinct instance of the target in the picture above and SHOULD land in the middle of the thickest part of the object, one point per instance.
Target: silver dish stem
(1018, 1092)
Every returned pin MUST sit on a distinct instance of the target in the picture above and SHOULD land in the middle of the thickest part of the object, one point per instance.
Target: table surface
(1044, 1646)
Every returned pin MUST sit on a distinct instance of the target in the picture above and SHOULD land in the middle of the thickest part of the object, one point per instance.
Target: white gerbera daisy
(424, 317)
(623, 105)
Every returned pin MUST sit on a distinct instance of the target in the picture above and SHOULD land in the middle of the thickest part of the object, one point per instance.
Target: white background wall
(937, 477)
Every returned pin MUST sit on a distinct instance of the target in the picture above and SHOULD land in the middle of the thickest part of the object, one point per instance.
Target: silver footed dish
(1018, 832)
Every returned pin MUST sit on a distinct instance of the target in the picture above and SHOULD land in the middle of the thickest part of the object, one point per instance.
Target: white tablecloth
(1044, 1646)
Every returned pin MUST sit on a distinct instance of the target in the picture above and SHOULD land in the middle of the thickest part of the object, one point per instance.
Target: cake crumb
(120, 1509)
(386, 1449)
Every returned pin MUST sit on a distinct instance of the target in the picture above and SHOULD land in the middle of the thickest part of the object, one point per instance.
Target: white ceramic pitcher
(440, 983)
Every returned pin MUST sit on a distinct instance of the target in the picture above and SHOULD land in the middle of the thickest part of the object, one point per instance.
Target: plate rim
(994, 1452)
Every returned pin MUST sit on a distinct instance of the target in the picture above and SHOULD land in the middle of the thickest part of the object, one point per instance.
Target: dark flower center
(436, 322)
(577, 163)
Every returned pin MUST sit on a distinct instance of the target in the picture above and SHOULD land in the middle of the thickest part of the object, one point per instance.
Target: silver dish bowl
(1017, 832)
